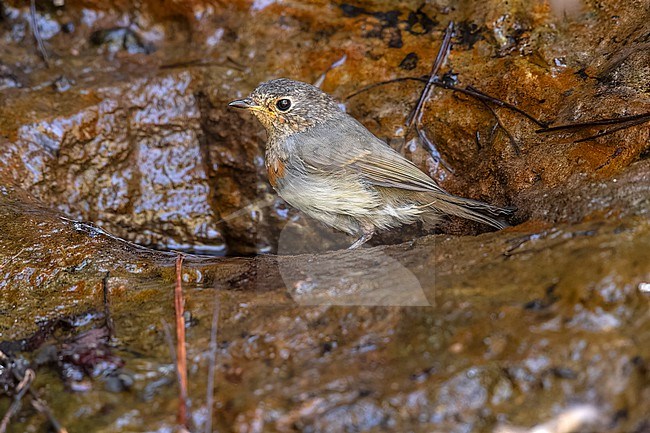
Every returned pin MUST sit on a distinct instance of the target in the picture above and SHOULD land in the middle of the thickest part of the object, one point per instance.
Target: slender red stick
(181, 355)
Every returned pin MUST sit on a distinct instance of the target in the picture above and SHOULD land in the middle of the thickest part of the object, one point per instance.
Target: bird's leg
(365, 237)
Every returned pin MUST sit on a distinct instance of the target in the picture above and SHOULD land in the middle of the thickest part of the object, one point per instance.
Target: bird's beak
(246, 103)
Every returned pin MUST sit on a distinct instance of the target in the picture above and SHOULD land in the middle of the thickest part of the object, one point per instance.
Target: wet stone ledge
(445, 332)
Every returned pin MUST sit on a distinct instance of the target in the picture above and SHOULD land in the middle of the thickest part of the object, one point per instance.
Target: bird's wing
(346, 146)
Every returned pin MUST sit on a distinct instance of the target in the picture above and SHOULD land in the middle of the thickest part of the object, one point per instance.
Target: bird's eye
(283, 104)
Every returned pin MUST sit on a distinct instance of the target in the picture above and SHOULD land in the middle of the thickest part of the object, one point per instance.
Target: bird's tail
(475, 210)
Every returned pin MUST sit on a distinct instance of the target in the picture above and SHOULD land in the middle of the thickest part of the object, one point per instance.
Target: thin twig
(181, 354)
(600, 122)
(415, 118)
(513, 142)
(433, 150)
(37, 34)
(474, 92)
(611, 131)
(172, 350)
(239, 65)
(21, 389)
(107, 307)
(470, 91)
(441, 57)
(40, 405)
(364, 89)
(212, 367)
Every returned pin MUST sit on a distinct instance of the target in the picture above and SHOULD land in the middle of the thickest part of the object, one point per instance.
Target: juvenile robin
(325, 163)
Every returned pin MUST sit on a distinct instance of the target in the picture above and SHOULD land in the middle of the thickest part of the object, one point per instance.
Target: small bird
(325, 163)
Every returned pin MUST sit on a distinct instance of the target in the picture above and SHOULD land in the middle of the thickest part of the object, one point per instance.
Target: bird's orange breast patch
(275, 172)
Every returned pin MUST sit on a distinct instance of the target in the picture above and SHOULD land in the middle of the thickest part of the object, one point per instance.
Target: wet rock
(239, 208)
(470, 352)
(629, 69)
(234, 157)
(133, 160)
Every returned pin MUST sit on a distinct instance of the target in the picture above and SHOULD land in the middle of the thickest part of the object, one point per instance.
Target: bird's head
(286, 107)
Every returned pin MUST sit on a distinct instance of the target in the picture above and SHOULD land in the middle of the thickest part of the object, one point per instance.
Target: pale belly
(343, 203)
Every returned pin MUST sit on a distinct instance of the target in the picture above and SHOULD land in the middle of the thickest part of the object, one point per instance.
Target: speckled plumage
(327, 164)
